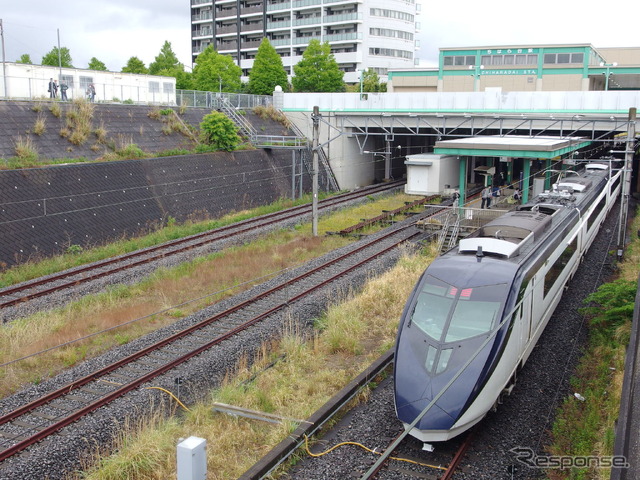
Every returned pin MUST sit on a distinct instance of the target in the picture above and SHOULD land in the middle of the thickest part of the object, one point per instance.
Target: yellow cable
(156, 388)
(306, 446)
(171, 395)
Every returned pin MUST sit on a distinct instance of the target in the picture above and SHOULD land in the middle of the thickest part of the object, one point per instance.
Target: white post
(192, 459)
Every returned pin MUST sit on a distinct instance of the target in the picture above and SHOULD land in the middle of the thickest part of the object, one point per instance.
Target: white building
(24, 81)
(376, 34)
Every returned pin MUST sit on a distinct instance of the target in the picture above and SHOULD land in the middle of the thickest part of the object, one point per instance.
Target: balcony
(201, 16)
(306, 3)
(280, 24)
(252, 27)
(225, 46)
(278, 6)
(253, 43)
(250, 10)
(304, 40)
(307, 21)
(200, 2)
(342, 37)
(203, 32)
(226, 29)
(226, 13)
(280, 42)
(344, 17)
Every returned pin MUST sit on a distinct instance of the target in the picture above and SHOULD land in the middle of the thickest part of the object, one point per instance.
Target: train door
(523, 314)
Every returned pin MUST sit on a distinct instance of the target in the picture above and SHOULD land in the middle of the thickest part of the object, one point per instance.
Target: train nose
(416, 387)
(435, 418)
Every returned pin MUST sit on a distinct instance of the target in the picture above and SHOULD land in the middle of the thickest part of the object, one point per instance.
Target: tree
(95, 64)
(165, 61)
(214, 72)
(25, 58)
(217, 130)
(318, 70)
(267, 71)
(51, 58)
(135, 65)
(184, 81)
(371, 82)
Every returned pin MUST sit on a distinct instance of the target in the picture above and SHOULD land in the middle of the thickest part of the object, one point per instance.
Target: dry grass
(55, 109)
(120, 305)
(313, 369)
(79, 118)
(25, 148)
(165, 289)
(40, 126)
(101, 133)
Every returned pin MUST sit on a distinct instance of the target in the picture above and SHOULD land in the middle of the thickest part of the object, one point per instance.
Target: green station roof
(518, 146)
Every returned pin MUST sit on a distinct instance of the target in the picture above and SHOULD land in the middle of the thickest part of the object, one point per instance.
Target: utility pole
(315, 116)
(4, 66)
(387, 160)
(626, 180)
(59, 58)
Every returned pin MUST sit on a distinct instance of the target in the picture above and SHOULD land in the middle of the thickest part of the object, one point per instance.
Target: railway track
(397, 457)
(24, 292)
(33, 422)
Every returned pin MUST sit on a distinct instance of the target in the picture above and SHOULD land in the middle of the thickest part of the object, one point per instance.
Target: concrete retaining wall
(45, 210)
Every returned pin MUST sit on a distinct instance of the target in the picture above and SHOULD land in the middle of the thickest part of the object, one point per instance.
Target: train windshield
(447, 313)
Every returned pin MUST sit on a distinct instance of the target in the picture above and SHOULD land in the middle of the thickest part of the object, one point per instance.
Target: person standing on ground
(63, 91)
(486, 197)
(91, 92)
(55, 89)
(52, 88)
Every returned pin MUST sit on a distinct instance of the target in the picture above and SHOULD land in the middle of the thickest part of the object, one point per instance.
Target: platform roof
(518, 146)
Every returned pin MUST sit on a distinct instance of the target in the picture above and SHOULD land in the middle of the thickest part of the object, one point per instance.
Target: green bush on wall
(217, 130)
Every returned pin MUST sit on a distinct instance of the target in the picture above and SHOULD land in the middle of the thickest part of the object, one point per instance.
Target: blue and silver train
(477, 312)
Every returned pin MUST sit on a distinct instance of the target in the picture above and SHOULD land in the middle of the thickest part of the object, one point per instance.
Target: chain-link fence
(195, 98)
(41, 82)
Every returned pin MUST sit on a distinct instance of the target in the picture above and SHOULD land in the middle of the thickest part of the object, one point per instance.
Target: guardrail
(626, 434)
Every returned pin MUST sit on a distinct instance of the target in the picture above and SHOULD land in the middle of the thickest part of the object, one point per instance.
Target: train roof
(508, 234)
(514, 232)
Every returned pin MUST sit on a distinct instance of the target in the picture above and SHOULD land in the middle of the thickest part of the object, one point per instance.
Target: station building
(524, 68)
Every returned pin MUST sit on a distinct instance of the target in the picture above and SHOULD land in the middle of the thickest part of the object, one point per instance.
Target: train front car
(451, 316)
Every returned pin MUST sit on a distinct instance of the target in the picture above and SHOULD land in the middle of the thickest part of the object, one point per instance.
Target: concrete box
(431, 174)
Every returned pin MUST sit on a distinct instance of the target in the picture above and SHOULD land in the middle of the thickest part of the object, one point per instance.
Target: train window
(432, 307)
(431, 357)
(596, 211)
(475, 312)
(443, 361)
(558, 266)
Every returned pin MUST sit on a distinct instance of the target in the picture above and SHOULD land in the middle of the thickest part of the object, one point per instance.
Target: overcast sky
(115, 30)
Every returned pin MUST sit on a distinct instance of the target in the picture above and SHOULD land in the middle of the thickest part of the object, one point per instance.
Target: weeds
(79, 119)
(101, 133)
(55, 109)
(40, 126)
(25, 149)
(273, 113)
(312, 371)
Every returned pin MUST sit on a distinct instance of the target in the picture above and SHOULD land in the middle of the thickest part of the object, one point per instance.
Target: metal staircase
(450, 231)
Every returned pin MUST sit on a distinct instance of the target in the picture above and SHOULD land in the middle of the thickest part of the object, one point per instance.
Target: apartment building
(376, 34)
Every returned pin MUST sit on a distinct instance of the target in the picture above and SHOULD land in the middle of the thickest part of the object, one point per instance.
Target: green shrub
(217, 130)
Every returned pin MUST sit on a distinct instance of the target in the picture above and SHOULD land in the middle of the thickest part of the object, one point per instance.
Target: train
(478, 310)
